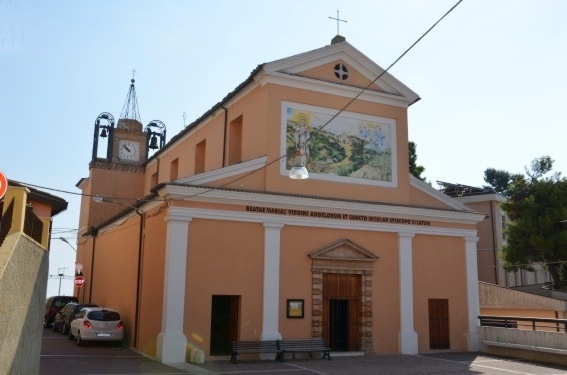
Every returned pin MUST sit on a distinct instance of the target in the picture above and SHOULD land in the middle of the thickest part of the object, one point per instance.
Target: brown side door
(224, 323)
(439, 324)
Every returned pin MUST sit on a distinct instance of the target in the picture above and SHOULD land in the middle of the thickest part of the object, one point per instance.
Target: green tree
(500, 180)
(536, 207)
(415, 169)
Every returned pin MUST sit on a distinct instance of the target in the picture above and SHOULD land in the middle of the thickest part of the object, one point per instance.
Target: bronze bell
(153, 143)
(103, 133)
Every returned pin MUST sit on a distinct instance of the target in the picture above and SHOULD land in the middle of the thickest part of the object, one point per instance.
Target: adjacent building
(492, 237)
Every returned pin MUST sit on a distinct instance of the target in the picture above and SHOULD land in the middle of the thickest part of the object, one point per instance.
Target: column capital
(406, 234)
(471, 239)
(272, 225)
(178, 214)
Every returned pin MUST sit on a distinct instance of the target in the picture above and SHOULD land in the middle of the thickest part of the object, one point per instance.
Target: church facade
(209, 240)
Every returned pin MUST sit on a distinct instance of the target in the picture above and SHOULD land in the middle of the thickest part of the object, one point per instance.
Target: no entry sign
(3, 184)
(79, 281)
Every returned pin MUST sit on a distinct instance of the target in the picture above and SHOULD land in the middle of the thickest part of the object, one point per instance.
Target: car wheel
(80, 341)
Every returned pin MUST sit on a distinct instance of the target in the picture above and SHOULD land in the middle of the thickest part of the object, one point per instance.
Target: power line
(348, 104)
(345, 106)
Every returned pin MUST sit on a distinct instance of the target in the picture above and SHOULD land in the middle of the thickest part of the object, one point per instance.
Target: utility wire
(304, 142)
(343, 108)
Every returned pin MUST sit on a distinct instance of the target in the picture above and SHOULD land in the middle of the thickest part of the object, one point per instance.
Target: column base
(473, 341)
(269, 336)
(407, 342)
(171, 348)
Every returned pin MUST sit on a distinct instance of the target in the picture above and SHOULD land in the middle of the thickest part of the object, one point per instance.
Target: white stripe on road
(91, 356)
(484, 366)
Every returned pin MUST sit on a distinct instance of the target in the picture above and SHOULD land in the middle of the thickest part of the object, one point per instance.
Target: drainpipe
(225, 134)
(94, 232)
(494, 243)
(139, 278)
(157, 172)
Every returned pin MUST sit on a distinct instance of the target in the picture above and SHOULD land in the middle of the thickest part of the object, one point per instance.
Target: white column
(472, 293)
(172, 342)
(407, 338)
(270, 311)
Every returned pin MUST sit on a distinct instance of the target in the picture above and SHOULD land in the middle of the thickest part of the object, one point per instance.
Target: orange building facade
(208, 240)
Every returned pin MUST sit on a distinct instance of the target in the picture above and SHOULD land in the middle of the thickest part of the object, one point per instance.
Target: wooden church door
(341, 311)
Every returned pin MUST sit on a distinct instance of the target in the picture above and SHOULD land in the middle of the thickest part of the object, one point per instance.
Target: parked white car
(96, 324)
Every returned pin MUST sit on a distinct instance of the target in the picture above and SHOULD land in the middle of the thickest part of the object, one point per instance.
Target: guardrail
(19, 216)
(518, 322)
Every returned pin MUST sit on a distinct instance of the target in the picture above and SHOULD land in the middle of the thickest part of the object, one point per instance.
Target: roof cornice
(238, 197)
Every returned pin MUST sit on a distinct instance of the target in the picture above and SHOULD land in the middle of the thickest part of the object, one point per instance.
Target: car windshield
(104, 315)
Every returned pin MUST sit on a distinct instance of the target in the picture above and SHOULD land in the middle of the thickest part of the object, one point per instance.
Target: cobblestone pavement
(439, 363)
(61, 356)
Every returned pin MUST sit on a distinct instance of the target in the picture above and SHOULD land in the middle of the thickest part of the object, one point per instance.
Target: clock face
(129, 150)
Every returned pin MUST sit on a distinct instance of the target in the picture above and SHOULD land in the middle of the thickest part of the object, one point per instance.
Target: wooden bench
(253, 347)
(303, 346)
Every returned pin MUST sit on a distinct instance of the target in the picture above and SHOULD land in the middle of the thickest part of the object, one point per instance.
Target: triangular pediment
(357, 71)
(344, 250)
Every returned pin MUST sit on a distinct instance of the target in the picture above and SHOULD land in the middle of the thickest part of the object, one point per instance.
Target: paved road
(61, 356)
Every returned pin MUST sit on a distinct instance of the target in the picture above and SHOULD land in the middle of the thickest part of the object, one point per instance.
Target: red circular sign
(79, 281)
(3, 184)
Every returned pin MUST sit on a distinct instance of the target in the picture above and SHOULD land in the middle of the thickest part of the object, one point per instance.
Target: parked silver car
(96, 324)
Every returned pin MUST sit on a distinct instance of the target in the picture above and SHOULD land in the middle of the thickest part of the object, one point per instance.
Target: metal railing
(518, 322)
(6, 221)
(33, 226)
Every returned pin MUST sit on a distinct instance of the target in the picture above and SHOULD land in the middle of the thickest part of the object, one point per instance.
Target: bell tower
(116, 172)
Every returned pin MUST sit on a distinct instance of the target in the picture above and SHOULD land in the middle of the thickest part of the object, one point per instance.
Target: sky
(491, 76)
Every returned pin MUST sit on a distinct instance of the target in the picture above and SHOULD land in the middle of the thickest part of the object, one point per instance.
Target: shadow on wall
(24, 267)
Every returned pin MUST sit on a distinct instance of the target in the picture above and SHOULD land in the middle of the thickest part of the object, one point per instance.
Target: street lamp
(67, 242)
(299, 172)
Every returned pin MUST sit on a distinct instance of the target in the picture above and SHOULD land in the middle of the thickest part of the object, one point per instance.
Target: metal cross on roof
(338, 20)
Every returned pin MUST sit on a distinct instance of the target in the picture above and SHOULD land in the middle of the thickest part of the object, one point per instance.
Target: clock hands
(126, 148)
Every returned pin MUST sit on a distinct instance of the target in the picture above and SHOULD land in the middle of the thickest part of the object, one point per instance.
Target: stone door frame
(344, 257)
